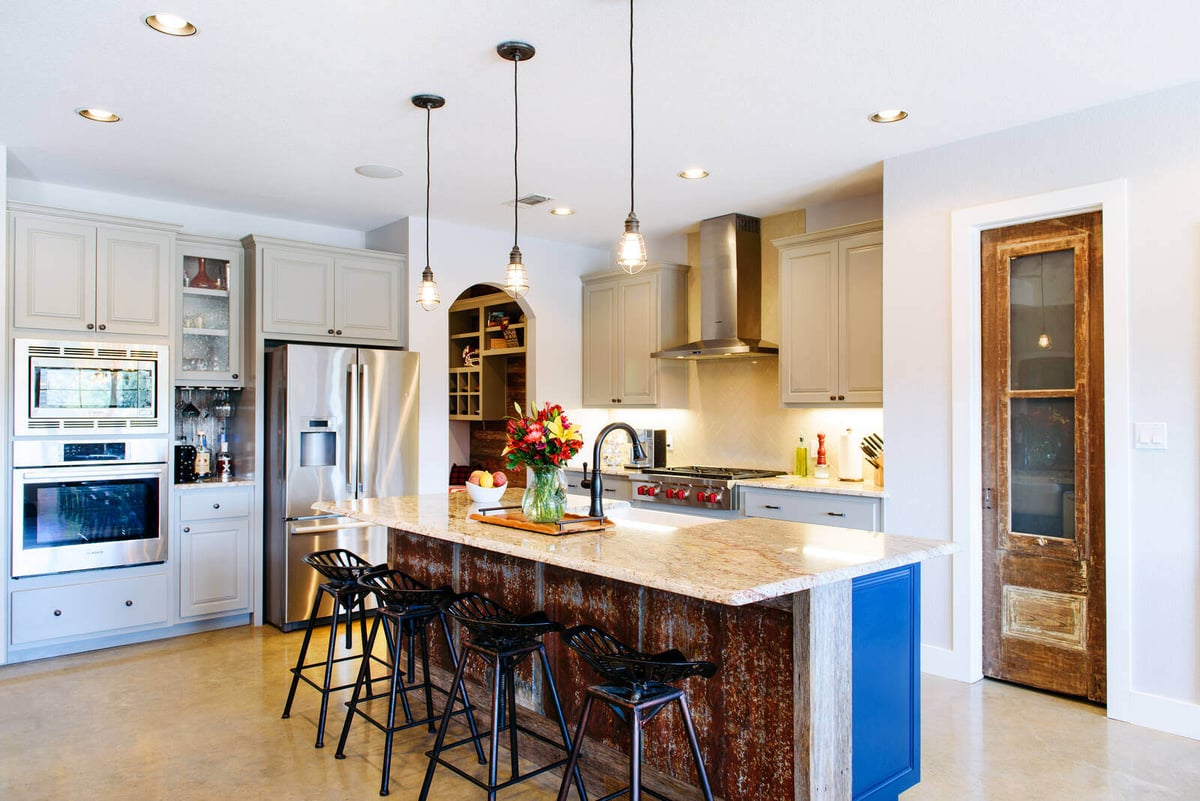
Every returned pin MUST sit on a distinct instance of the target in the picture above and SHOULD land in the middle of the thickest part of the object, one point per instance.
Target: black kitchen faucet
(596, 509)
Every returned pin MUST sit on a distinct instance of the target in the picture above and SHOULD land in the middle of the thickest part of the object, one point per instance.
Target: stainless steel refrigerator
(341, 423)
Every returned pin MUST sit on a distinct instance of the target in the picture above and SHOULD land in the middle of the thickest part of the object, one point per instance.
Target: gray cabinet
(327, 293)
(214, 554)
(616, 487)
(84, 273)
(831, 302)
(208, 350)
(822, 508)
(625, 319)
(87, 608)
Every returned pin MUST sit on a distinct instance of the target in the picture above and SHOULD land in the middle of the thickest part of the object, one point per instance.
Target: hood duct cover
(730, 292)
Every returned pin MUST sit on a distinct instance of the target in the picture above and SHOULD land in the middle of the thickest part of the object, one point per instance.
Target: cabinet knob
(330, 331)
(187, 529)
(58, 613)
(90, 326)
(235, 375)
(216, 506)
(102, 326)
(129, 603)
(833, 397)
(841, 397)
(338, 332)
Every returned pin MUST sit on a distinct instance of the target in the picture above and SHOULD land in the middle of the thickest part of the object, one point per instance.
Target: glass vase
(545, 498)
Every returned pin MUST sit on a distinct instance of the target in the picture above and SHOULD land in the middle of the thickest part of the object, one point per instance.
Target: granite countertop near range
(863, 489)
(731, 562)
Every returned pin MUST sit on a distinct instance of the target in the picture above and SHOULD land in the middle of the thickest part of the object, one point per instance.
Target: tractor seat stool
(406, 608)
(341, 569)
(640, 685)
(503, 640)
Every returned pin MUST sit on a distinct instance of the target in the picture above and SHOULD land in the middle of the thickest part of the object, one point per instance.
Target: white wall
(194, 219)
(463, 256)
(5, 367)
(1149, 143)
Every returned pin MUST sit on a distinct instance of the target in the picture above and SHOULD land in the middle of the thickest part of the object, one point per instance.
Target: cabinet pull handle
(836, 514)
(216, 506)
(90, 326)
(606, 489)
(102, 326)
(129, 603)
(769, 506)
(58, 613)
(187, 529)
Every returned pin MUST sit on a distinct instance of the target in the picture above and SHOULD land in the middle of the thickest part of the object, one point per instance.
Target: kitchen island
(815, 629)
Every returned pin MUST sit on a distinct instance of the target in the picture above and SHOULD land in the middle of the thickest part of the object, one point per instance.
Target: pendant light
(516, 279)
(427, 293)
(1043, 340)
(631, 248)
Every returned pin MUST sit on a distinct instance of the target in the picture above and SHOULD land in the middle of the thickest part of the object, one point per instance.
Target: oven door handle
(89, 473)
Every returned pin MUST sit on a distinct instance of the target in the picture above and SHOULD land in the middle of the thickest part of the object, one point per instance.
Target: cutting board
(570, 524)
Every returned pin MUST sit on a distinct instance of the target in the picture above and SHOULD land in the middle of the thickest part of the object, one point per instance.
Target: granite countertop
(732, 562)
(210, 483)
(865, 489)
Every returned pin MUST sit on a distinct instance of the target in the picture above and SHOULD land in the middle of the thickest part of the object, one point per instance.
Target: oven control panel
(74, 452)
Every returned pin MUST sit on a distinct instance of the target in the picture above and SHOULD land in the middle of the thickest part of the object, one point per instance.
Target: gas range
(693, 486)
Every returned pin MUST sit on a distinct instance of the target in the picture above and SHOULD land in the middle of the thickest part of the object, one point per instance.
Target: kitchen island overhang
(771, 601)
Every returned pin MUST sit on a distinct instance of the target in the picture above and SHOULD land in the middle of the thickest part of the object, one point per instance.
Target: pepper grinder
(822, 468)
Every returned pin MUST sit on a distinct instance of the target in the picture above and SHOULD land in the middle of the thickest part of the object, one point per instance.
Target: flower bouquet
(544, 442)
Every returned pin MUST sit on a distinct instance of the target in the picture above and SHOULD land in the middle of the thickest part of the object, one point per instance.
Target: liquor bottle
(224, 461)
(203, 458)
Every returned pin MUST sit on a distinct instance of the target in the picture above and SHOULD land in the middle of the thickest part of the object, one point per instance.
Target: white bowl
(485, 494)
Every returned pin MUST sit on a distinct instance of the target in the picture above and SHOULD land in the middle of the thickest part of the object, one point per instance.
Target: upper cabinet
(84, 273)
(210, 283)
(831, 302)
(329, 293)
(625, 319)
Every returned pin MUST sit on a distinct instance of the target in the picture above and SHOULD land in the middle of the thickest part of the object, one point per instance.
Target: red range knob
(700, 497)
(670, 493)
(714, 497)
(641, 489)
(681, 494)
(651, 491)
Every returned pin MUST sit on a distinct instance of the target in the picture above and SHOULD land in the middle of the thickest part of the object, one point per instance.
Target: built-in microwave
(71, 388)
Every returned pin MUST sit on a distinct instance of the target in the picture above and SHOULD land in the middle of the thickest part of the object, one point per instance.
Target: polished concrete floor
(198, 718)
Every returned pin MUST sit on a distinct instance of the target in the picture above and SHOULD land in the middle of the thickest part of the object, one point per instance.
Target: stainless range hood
(730, 293)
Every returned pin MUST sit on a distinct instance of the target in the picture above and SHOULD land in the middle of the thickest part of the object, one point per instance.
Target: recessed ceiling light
(377, 171)
(97, 115)
(693, 173)
(889, 115)
(171, 25)
(562, 211)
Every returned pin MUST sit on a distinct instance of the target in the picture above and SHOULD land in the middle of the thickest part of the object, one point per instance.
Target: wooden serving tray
(512, 517)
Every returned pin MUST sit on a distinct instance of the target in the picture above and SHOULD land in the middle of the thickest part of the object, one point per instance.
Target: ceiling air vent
(529, 201)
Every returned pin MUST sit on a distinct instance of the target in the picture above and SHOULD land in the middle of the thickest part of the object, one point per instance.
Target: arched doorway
(488, 374)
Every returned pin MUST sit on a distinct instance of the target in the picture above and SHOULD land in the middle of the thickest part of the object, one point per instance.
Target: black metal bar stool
(406, 608)
(503, 640)
(640, 688)
(342, 569)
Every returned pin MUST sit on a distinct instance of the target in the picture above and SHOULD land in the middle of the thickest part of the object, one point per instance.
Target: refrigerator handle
(364, 413)
(351, 429)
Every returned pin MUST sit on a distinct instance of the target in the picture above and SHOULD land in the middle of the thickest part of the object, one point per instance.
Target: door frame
(965, 658)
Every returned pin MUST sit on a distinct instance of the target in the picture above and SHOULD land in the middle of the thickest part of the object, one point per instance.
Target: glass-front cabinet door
(209, 348)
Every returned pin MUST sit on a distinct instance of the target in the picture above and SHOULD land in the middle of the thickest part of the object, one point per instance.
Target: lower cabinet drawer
(616, 487)
(823, 508)
(214, 504)
(53, 612)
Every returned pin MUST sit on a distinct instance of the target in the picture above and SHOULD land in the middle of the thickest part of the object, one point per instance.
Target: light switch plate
(1150, 435)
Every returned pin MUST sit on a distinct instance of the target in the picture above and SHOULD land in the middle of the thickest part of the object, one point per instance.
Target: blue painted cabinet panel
(887, 683)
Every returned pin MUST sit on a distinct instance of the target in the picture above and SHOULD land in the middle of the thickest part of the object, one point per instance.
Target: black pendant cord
(428, 117)
(631, 107)
(516, 142)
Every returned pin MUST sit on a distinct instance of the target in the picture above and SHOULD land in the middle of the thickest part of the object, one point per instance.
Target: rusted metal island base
(815, 631)
(774, 723)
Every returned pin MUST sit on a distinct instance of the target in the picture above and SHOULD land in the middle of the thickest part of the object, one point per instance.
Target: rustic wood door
(1043, 455)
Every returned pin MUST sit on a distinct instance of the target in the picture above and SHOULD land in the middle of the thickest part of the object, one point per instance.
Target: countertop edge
(829, 486)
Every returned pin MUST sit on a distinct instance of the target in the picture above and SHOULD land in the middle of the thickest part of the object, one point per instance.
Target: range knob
(651, 491)
(670, 493)
(681, 494)
(700, 496)
(642, 489)
(714, 497)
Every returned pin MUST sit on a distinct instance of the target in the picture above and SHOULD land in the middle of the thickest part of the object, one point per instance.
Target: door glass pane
(1043, 467)
(1042, 320)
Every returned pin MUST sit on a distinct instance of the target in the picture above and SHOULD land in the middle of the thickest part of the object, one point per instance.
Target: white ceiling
(271, 106)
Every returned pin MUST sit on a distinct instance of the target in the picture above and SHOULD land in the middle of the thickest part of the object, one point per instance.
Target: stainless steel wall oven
(88, 505)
